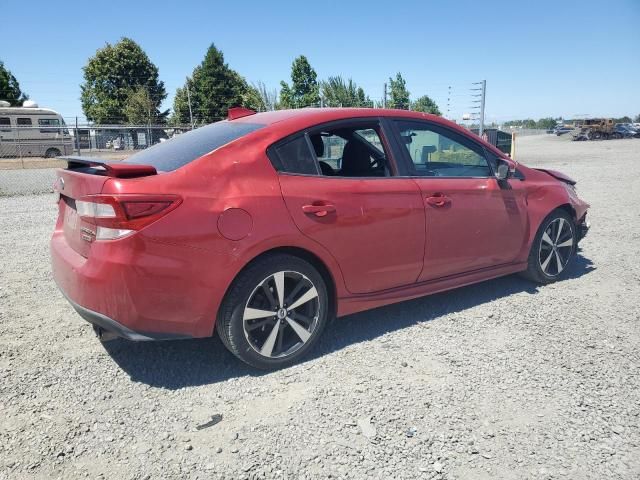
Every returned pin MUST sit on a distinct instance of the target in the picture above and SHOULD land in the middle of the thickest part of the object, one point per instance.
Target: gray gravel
(26, 181)
(498, 380)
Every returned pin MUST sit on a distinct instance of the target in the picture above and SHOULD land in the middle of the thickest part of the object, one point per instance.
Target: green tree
(546, 123)
(637, 119)
(625, 119)
(110, 77)
(528, 123)
(399, 95)
(304, 90)
(269, 97)
(251, 97)
(338, 93)
(10, 88)
(426, 105)
(214, 88)
(180, 114)
(139, 107)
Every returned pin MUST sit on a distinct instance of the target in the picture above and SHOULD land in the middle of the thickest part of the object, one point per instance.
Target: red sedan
(265, 226)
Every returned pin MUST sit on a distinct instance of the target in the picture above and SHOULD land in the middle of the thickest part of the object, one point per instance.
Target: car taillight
(116, 216)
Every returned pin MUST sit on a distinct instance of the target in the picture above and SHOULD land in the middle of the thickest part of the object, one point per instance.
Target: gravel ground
(498, 380)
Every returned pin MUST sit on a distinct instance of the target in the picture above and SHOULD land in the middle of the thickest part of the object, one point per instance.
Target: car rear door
(473, 221)
(373, 226)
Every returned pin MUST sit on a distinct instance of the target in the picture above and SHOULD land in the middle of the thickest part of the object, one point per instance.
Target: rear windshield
(186, 147)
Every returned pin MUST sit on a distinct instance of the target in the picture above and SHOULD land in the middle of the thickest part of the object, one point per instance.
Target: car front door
(473, 221)
(338, 184)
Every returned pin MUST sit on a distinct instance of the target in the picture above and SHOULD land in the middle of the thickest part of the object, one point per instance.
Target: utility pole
(482, 94)
(189, 100)
(77, 138)
(384, 98)
(449, 103)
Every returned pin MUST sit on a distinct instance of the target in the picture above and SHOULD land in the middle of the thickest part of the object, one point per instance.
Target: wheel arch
(304, 254)
(567, 207)
(544, 201)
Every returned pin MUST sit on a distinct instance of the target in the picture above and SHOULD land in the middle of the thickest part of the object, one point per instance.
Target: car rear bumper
(109, 325)
(147, 295)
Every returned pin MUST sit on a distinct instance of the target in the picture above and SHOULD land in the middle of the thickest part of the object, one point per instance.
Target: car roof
(321, 115)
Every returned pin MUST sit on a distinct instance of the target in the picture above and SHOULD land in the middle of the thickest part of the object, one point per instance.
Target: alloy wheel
(556, 247)
(281, 314)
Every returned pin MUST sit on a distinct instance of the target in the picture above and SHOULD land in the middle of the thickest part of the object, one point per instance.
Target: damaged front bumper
(583, 227)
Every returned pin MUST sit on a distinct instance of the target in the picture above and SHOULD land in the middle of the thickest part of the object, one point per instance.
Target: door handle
(319, 210)
(438, 200)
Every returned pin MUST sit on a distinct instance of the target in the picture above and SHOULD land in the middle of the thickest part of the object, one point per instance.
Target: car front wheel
(552, 249)
(275, 312)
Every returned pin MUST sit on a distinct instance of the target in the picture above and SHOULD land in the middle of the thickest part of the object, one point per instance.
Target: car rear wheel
(275, 312)
(552, 249)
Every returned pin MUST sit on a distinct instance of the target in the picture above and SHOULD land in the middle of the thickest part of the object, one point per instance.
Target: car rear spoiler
(111, 169)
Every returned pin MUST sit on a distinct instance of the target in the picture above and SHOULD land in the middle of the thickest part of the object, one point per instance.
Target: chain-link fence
(29, 154)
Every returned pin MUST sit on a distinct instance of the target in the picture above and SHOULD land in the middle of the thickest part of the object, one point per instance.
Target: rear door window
(295, 156)
(187, 147)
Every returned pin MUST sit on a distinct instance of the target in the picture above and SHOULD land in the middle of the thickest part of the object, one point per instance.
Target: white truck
(30, 131)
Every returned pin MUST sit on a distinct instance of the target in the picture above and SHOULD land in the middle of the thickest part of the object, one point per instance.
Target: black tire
(52, 153)
(256, 290)
(542, 251)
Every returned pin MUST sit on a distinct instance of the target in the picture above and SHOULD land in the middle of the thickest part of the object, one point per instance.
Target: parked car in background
(623, 130)
(30, 131)
(561, 130)
(265, 226)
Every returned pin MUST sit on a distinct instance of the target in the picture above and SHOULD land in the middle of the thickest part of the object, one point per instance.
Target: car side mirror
(504, 169)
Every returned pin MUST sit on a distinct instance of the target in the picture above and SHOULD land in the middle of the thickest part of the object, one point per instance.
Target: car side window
(435, 152)
(295, 156)
(24, 122)
(350, 152)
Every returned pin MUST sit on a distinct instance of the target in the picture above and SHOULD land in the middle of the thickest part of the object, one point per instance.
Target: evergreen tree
(304, 90)
(398, 93)
(214, 88)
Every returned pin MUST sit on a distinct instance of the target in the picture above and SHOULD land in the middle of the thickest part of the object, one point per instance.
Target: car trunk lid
(84, 177)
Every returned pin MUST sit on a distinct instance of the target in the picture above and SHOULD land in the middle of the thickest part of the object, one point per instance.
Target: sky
(540, 58)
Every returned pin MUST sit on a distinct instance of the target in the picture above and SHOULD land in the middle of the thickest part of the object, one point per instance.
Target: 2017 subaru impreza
(264, 226)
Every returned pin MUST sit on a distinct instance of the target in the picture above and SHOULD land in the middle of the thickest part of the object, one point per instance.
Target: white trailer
(30, 131)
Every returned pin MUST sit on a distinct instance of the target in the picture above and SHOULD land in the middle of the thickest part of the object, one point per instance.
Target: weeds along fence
(29, 155)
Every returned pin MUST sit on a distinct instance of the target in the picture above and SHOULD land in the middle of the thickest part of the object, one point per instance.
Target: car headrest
(426, 151)
(356, 159)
